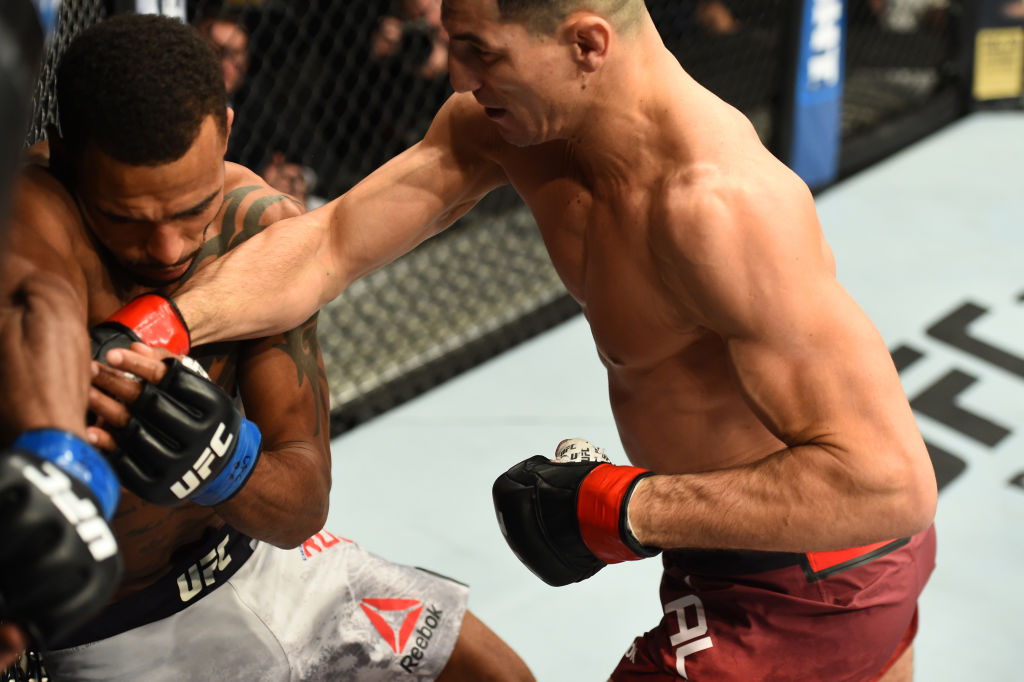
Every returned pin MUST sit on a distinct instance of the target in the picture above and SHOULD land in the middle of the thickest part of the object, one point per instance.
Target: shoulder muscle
(730, 244)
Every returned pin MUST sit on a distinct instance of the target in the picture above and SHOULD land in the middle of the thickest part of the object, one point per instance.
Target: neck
(628, 117)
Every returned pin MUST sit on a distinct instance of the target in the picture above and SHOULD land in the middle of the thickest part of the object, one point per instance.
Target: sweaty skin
(38, 328)
(192, 210)
(735, 360)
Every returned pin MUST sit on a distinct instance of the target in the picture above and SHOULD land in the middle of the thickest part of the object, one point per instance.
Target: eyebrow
(187, 213)
(471, 38)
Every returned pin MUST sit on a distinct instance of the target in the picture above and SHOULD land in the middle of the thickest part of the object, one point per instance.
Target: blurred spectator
(230, 41)
(716, 18)
(293, 179)
(906, 16)
(415, 16)
(1014, 9)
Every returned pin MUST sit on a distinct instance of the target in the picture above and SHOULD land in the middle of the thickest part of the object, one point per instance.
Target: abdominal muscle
(149, 535)
(686, 414)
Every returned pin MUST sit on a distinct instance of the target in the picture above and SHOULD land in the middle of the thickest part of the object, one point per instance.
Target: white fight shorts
(233, 608)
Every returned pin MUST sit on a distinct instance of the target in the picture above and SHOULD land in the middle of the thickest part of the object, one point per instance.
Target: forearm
(280, 277)
(272, 283)
(44, 350)
(802, 499)
(285, 500)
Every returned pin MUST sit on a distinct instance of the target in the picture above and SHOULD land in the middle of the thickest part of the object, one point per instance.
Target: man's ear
(590, 37)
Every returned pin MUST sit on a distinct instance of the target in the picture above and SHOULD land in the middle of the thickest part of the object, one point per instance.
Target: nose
(463, 78)
(166, 245)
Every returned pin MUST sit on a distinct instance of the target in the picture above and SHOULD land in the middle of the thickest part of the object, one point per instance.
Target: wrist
(236, 471)
(603, 512)
(156, 321)
(636, 520)
(77, 459)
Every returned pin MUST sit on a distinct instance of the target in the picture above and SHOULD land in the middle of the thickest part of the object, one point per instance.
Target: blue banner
(818, 96)
(48, 12)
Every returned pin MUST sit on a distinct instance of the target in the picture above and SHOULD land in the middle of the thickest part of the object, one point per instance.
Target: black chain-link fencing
(75, 15)
(907, 74)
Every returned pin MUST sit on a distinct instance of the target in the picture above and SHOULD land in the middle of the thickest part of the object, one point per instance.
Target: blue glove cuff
(234, 475)
(78, 459)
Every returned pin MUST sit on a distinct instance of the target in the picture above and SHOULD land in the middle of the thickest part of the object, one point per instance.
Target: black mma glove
(566, 519)
(59, 562)
(185, 440)
(151, 318)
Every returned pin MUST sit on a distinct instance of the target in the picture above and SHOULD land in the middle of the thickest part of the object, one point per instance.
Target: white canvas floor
(934, 234)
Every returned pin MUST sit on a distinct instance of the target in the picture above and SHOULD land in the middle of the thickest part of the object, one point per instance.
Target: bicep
(816, 370)
(806, 357)
(283, 387)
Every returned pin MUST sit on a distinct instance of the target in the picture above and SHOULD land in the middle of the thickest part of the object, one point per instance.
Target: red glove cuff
(156, 320)
(601, 507)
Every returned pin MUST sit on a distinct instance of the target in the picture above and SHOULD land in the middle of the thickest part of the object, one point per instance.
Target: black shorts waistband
(197, 569)
(816, 565)
(715, 562)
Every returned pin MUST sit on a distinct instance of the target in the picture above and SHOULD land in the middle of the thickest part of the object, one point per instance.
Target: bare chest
(601, 248)
(148, 534)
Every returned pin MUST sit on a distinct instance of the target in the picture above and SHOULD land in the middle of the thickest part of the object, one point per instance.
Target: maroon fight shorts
(747, 616)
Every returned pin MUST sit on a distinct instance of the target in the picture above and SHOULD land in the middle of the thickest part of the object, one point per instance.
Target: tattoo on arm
(301, 343)
(302, 347)
(229, 236)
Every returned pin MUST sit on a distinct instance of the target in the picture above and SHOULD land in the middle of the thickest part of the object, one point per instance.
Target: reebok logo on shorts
(395, 620)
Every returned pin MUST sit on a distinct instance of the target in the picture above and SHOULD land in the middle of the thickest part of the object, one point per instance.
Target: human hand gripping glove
(151, 319)
(59, 561)
(566, 519)
(185, 440)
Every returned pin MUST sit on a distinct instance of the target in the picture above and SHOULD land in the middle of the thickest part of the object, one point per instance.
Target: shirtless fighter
(137, 198)
(777, 461)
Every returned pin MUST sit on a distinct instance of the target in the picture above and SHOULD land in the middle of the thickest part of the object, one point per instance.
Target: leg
(902, 670)
(481, 656)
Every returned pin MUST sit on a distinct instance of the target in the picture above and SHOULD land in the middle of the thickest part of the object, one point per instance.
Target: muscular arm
(811, 366)
(43, 342)
(284, 391)
(44, 346)
(290, 270)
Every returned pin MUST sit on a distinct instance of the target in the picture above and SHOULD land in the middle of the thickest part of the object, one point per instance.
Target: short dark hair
(139, 87)
(545, 15)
